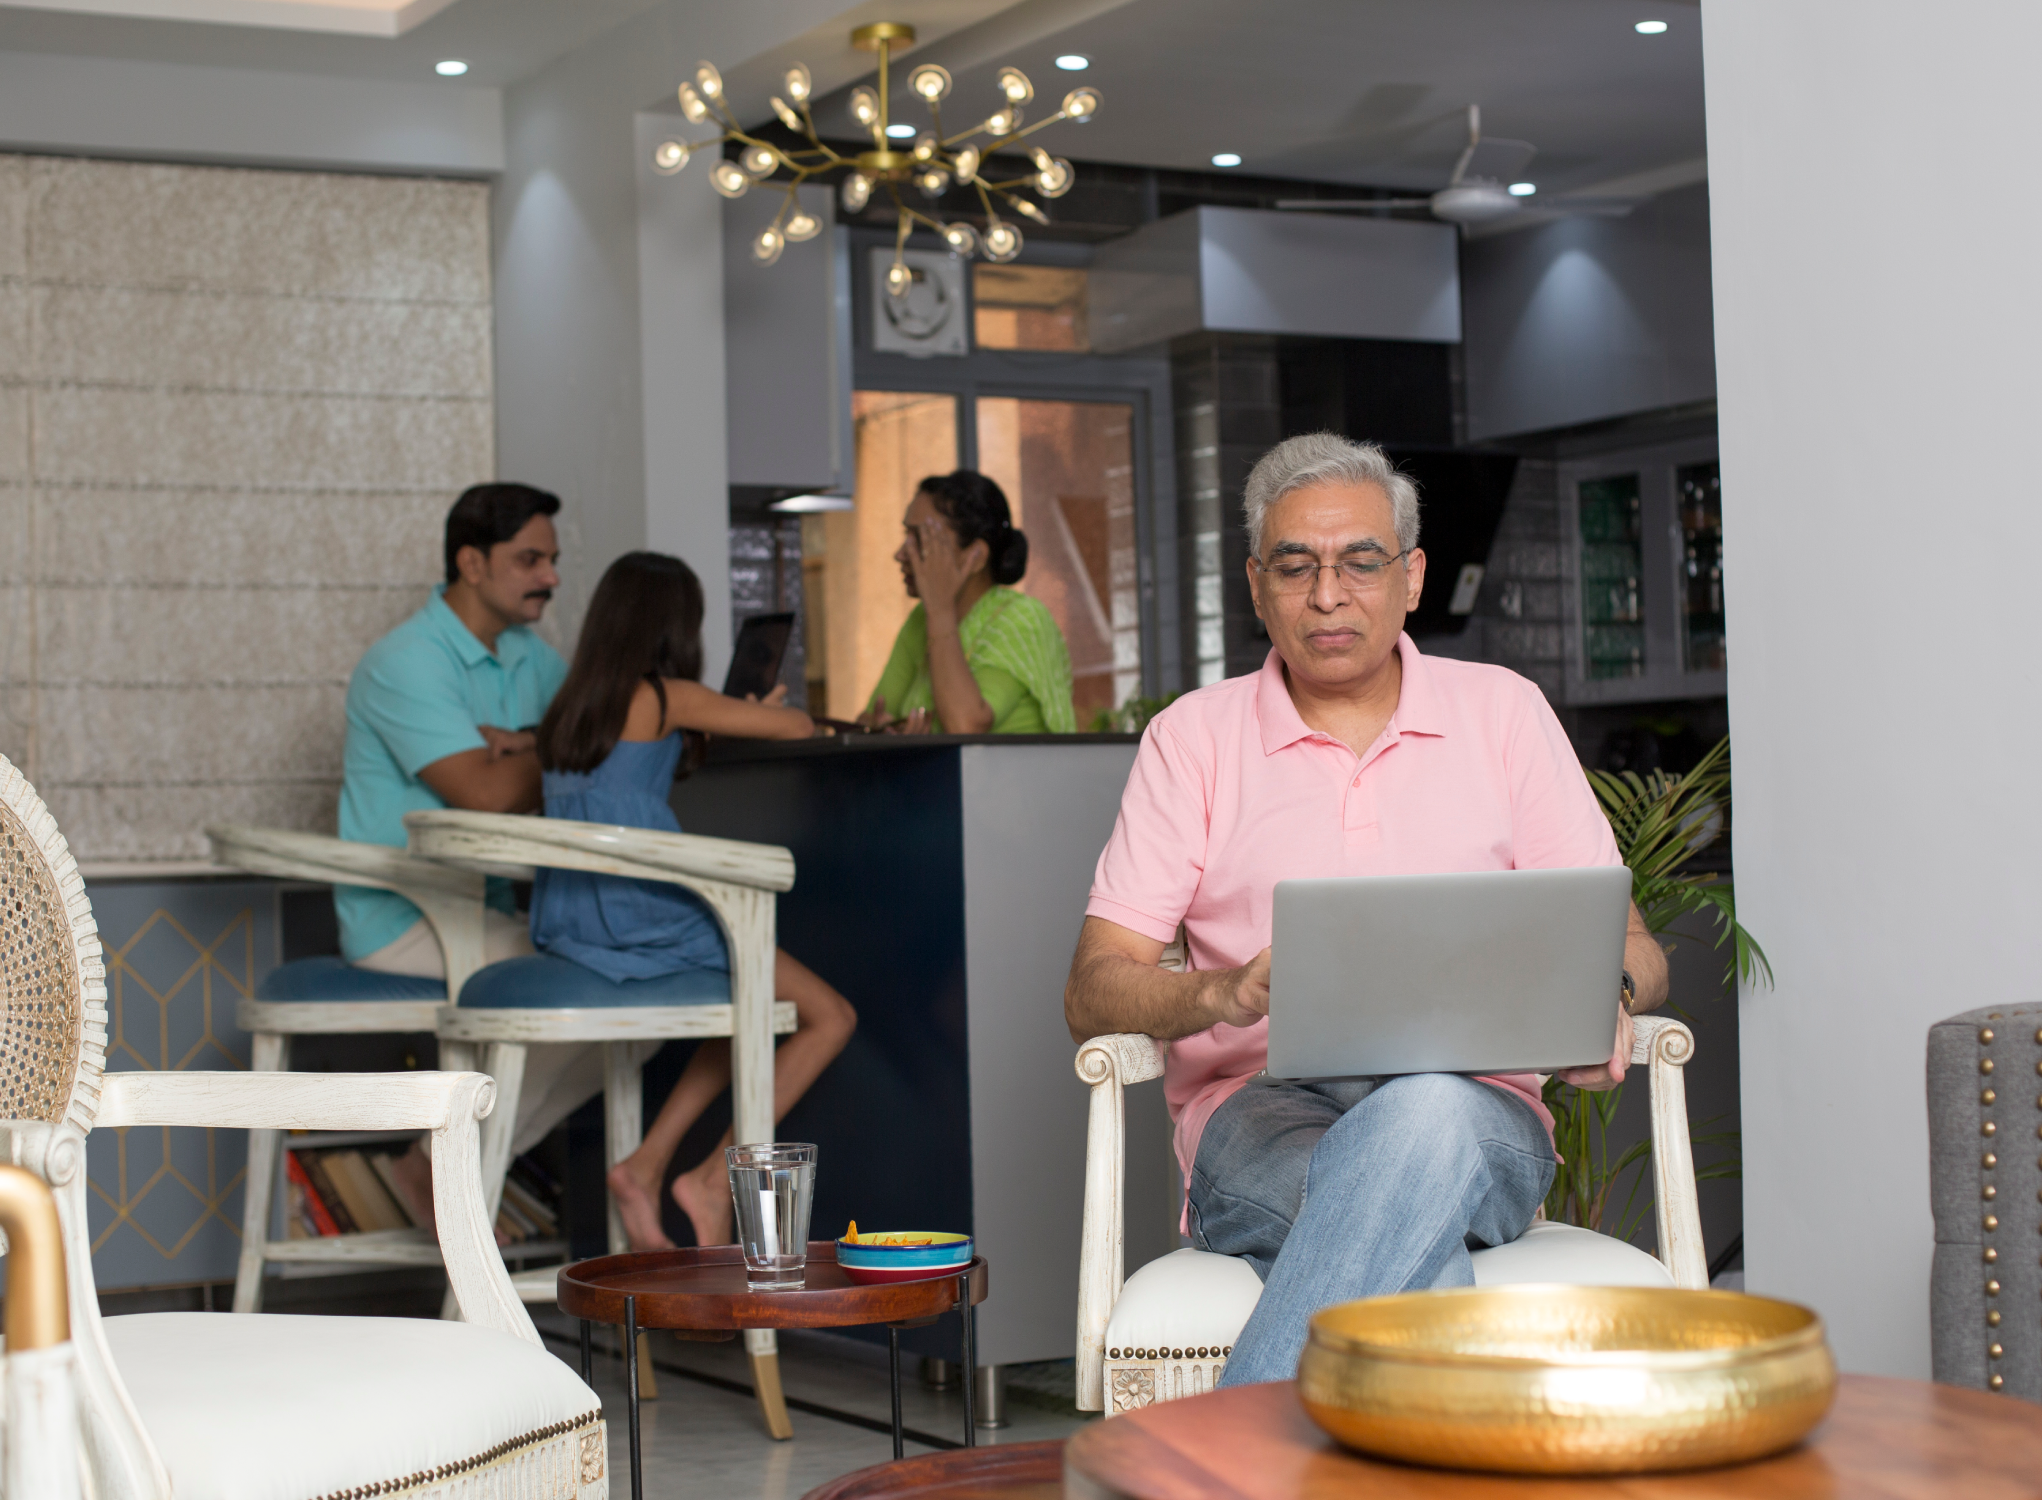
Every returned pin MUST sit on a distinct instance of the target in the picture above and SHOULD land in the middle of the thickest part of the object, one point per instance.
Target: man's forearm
(1110, 992)
(1645, 962)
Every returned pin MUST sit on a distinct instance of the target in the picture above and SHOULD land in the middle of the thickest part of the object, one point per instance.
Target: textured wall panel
(234, 406)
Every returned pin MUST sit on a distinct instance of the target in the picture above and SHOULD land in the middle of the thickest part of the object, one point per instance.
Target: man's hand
(502, 742)
(1240, 997)
(1606, 1075)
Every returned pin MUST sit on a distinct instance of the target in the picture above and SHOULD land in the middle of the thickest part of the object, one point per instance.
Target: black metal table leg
(965, 1310)
(893, 1363)
(631, 1389)
(588, 1354)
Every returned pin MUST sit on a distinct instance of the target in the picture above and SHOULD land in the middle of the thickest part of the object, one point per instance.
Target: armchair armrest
(450, 898)
(447, 1104)
(1665, 1046)
(1108, 1064)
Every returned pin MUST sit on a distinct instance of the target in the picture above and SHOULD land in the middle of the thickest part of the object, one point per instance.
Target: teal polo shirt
(417, 696)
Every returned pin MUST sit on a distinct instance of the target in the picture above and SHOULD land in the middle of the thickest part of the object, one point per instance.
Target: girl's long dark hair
(644, 624)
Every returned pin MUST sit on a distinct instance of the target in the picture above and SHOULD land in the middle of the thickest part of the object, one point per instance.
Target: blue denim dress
(620, 927)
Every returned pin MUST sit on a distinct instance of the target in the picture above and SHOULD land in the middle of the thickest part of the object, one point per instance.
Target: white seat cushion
(1570, 1255)
(1190, 1299)
(1193, 1299)
(270, 1407)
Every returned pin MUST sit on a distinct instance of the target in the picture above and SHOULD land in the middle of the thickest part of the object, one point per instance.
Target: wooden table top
(1003, 1471)
(705, 1289)
(1883, 1440)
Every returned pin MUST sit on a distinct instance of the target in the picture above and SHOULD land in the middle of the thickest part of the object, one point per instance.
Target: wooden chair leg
(763, 1348)
(269, 1052)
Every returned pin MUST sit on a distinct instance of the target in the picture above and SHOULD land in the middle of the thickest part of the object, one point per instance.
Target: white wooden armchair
(1167, 1330)
(495, 1010)
(193, 1404)
(330, 998)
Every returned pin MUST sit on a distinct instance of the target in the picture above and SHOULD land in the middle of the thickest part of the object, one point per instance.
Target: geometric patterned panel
(165, 1204)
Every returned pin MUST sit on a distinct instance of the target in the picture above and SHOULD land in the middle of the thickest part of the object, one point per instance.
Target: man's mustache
(540, 594)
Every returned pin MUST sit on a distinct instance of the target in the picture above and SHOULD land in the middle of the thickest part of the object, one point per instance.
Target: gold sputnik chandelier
(933, 164)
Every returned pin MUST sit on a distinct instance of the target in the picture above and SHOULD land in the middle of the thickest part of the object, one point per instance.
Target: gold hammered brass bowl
(1567, 1379)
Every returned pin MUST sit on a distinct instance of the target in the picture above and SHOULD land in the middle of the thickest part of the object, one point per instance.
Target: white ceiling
(1349, 91)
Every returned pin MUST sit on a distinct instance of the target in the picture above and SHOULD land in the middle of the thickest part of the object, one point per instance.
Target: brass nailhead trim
(1988, 1128)
(1991, 1256)
(1989, 1160)
(1985, 1034)
(1992, 1289)
(1995, 1351)
(1992, 1221)
(1985, 1065)
(1996, 1382)
(1992, 1320)
(1987, 1096)
(1991, 1192)
(464, 1465)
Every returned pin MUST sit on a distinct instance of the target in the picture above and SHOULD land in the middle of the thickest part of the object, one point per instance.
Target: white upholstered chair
(329, 997)
(1167, 1330)
(175, 1406)
(508, 1006)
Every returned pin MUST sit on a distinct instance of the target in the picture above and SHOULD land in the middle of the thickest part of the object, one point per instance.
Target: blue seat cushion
(311, 979)
(545, 981)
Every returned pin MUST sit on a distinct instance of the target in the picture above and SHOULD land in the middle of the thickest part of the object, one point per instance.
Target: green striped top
(1015, 652)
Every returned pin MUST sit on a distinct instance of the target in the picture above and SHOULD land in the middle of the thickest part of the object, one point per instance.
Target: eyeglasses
(1295, 575)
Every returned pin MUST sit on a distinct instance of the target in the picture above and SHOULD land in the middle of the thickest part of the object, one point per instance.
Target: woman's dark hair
(644, 624)
(977, 511)
(487, 515)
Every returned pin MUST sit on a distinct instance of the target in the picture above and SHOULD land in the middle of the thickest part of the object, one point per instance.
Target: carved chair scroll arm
(1665, 1046)
(1108, 1064)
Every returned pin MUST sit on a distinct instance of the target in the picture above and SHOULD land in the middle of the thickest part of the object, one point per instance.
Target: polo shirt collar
(511, 646)
(1419, 710)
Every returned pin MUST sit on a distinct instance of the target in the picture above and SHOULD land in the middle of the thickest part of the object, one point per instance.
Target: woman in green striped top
(976, 657)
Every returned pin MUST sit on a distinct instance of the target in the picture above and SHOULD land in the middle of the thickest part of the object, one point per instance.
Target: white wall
(1877, 317)
(103, 106)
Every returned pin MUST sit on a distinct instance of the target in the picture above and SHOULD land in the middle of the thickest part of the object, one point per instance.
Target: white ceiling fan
(1474, 199)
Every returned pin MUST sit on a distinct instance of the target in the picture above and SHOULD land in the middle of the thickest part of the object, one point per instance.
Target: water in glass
(771, 1187)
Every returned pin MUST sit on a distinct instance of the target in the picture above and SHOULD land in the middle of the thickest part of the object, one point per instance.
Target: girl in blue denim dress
(609, 746)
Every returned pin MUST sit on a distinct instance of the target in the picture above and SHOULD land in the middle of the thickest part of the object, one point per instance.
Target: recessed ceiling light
(1649, 28)
(804, 505)
(901, 132)
(453, 67)
(1074, 62)
(1227, 159)
(1523, 189)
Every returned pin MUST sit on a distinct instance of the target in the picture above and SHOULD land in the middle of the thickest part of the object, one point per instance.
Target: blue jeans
(1359, 1187)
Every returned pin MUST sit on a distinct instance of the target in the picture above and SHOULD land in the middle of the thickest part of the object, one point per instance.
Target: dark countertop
(736, 752)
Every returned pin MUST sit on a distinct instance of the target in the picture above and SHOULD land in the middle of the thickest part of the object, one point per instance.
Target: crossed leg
(824, 1022)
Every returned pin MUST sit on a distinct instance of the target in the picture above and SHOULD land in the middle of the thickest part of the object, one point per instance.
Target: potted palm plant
(1661, 822)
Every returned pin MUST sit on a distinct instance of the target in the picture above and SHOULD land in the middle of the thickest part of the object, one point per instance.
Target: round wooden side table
(1006, 1471)
(1883, 1440)
(702, 1290)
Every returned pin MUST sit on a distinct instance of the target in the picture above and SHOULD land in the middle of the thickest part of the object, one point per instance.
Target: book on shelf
(314, 1205)
(545, 1223)
(384, 1165)
(313, 1165)
(368, 1202)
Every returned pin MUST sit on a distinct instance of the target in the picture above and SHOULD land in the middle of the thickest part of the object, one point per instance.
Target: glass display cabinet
(1642, 560)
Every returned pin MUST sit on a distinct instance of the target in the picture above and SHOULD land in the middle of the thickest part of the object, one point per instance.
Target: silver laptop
(1497, 971)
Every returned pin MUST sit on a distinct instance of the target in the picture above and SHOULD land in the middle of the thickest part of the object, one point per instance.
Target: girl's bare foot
(707, 1205)
(638, 1207)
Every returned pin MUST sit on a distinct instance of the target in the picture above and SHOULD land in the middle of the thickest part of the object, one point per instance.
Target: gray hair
(1327, 458)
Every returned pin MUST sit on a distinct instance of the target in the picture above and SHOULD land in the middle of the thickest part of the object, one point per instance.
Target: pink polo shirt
(1231, 792)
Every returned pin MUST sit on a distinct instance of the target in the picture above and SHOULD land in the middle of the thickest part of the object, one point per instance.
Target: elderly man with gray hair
(1348, 753)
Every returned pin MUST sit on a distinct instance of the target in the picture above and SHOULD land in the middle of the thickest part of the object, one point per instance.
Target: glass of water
(771, 1187)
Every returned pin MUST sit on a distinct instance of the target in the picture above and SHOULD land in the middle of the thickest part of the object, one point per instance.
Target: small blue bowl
(870, 1264)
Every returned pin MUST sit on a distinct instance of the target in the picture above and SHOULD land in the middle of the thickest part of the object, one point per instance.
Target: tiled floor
(702, 1439)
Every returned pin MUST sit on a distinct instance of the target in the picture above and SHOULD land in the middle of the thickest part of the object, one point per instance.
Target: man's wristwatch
(1627, 994)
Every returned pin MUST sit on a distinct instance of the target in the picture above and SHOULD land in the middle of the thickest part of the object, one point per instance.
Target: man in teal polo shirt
(440, 711)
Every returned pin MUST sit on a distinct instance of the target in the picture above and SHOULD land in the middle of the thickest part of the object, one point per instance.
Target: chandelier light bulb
(1081, 104)
(798, 84)
(708, 81)
(1054, 180)
(668, 157)
(729, 179)
(767, 247)
(759, 160)
(926, 146)
(1015, 85)
(966, 164)
(961, 238)
(692, 105)
(1002, 241)
(934, 183)
(1031, 211)
(898, 279)
(856, 192)
(864, 106)
(1005, 121)
(802, 225)
(931, 81)
(786, 113)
